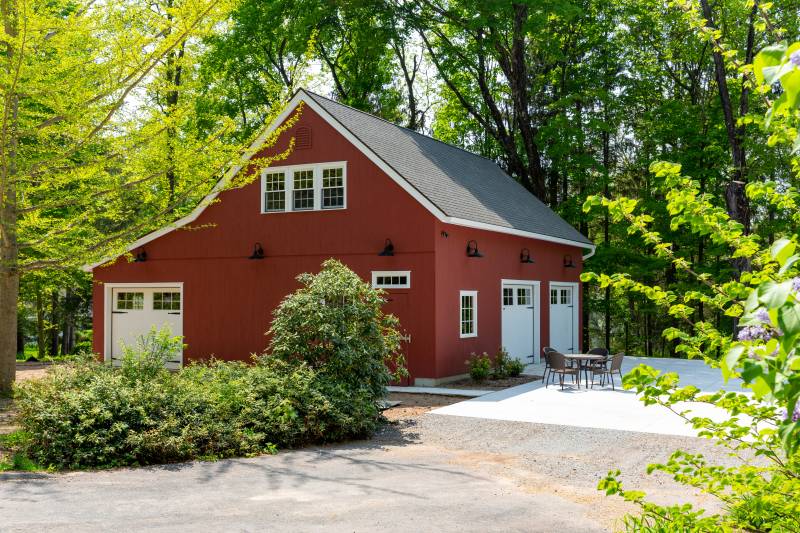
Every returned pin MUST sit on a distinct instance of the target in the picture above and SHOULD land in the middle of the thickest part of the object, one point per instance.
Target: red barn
(470, 260)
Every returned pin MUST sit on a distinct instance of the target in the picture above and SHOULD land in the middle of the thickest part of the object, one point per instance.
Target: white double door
(519, 328)
(563, 318)
(136, 310)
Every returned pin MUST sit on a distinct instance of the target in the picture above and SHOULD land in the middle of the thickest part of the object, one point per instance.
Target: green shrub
(480, 366)
(336, 325)
(323, 382)
(515, 367)
(500, 364)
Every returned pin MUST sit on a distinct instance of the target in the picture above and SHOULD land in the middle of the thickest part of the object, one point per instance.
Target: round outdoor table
(583, 360)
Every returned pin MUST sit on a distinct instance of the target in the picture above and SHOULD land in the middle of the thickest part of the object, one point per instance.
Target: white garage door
(518, 321)
(563, 318)
(136, 310)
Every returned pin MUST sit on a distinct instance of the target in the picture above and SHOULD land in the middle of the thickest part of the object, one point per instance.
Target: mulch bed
(490, 384)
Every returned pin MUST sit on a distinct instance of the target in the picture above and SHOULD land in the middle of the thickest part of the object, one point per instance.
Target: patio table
(583, 360)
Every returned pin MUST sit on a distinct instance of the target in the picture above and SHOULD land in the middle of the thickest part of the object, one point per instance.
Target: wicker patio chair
(546, 354)
(602, 362)
(558, 365)
(616, 367)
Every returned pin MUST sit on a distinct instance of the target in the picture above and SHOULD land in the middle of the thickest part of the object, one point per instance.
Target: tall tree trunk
(41, 328)
(9, 248)
(736, 200)
(52, 325)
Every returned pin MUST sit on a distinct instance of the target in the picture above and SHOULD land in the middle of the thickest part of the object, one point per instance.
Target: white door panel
(518, 321)
(562, 318)
(137, 310)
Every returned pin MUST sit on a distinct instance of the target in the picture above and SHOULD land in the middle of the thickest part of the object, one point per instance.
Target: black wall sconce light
(258, 251)
(388, 249)
(141, 256)
(444, 234)
(472, 249)
(525, 256)
(568, 263)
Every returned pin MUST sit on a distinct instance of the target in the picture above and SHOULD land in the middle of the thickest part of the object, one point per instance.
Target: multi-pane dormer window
(332, 188)
(275, 191)
(304, 188)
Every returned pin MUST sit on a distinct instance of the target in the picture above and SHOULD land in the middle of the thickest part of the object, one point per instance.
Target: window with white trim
(275, 191)
(469, 314)
(508, 296)
(553, 296)
(303, 190)
(130, 301)
(314, 187)
(332, 188)
(391, 279)
(167, 301)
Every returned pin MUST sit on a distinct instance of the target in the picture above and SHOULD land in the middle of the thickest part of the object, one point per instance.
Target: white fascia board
(520, 233)
(218, 187)
(301, 96)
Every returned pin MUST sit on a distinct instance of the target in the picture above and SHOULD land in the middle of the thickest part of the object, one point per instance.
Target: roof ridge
(415, 132)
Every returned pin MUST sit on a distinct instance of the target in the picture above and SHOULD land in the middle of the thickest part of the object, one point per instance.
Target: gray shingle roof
(461, 184)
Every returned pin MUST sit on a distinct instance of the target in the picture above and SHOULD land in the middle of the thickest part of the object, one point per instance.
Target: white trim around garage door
(576, 315)
(108, 306)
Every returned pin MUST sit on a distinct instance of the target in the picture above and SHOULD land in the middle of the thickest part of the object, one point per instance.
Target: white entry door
(136, 310)
(563, 332)
(518, 321)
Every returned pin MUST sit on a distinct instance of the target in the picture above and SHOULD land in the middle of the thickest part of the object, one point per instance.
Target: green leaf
(769, 56)
(781, 250)
(730, 361)
(790, 81)
(789, 263)
(774, 295)
(789, 319)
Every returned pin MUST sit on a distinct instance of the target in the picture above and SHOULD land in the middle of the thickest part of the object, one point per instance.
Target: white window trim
(376, 273)
(474, 295)
(288, 176)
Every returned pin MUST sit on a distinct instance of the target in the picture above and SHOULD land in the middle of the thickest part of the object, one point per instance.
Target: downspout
(592, 249)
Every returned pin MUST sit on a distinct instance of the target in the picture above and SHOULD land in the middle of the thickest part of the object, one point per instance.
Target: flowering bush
(762, 492)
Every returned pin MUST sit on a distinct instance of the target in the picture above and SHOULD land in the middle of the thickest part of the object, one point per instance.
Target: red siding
(456, 272)
(228, 299)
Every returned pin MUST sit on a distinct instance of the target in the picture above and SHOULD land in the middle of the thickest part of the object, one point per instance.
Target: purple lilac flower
(795, 58)
(754, 333)
(796, 414)
(796, 281)
(763, 316)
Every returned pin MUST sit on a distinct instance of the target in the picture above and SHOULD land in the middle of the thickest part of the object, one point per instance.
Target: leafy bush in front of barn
(336, 325)
(88, 414)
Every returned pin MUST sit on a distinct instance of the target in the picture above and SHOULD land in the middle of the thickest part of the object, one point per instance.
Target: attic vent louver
(302, 138)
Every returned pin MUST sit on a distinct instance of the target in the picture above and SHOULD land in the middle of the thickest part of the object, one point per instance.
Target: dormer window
(315, 187)
(303, 190)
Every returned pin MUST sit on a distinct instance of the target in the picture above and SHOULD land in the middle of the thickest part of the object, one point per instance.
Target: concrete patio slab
(601, 408)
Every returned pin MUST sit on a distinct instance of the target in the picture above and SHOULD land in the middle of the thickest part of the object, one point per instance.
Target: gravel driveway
(425, 472)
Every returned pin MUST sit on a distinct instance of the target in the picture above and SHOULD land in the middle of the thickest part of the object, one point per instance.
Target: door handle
(119, 312)
(171, 313)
